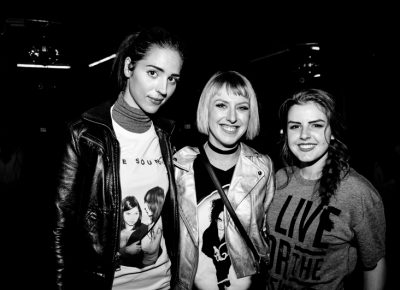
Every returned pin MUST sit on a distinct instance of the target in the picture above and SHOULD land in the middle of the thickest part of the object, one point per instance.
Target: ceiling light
(51, 66)
(102, 60)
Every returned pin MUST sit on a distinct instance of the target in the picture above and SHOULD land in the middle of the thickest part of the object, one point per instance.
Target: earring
(281, 132)
(332, 137)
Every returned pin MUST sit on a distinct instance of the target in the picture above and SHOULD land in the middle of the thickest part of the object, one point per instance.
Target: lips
(155, 101)
(306, 147)
(229, 129)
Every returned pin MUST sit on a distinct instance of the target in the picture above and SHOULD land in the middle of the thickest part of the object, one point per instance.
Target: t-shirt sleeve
(370, 229)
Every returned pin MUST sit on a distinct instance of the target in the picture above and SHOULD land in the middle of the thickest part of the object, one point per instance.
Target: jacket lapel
(245, 177)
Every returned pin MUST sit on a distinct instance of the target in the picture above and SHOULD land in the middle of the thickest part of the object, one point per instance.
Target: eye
(293, 127)
(220, 105)
(152, 73)
(317, 125)
(243, 108)
(173, 80)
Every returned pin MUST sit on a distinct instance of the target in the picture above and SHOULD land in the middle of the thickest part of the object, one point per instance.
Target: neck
(309, 174)
(223, 152)
(313, 170)
(222, 161)
(130, 118)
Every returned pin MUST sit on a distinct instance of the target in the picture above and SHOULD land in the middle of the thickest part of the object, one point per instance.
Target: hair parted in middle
(235, 83)
(137, 45)
(337, 165)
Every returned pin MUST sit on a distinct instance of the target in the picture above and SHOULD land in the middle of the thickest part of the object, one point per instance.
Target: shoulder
(359, 187)
(256, 157)
(163, 124)
(283, 175)
(185, 156)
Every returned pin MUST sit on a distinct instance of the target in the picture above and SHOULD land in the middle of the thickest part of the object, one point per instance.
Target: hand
(132, 249)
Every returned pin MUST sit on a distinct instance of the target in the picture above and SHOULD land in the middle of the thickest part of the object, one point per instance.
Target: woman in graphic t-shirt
(325, 217)
(227, 113)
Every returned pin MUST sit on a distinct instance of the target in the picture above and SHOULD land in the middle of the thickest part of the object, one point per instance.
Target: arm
(270, 192)
(375, 278)
(132, 249)
(64, 205)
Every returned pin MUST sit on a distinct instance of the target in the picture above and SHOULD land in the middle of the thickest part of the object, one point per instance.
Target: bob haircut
(237, 84)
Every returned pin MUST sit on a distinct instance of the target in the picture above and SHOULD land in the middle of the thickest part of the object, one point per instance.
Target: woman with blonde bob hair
(237, 84)
(227, 111)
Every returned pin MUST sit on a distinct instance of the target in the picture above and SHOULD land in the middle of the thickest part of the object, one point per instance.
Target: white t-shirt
(143, 177)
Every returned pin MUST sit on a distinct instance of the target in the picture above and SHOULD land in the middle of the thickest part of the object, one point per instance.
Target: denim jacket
(250, 194)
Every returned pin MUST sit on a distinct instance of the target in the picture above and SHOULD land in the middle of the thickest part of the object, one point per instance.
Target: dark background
(358, 62)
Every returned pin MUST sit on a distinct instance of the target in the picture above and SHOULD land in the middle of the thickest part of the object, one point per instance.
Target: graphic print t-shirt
(144, 184)
(305, 253)
(214, 266)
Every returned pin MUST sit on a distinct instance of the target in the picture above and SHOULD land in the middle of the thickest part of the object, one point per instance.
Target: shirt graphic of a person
(214, 245)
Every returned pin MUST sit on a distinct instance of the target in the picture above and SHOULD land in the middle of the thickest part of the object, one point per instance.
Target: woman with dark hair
(112, 150)
(325, 217)
(214, 244)
(153, 201)
(133, 230)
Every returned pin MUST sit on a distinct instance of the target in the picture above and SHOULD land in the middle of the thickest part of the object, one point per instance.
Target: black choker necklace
(226, 152)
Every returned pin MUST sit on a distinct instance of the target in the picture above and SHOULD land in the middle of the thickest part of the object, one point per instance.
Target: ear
(128, 67)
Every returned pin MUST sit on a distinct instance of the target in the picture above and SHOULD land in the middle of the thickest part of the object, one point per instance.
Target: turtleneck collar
(130, 118)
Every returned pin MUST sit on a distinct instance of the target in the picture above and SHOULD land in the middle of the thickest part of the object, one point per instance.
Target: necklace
(225, 152)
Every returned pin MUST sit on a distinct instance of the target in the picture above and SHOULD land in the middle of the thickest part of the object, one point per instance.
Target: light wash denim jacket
(250, 194)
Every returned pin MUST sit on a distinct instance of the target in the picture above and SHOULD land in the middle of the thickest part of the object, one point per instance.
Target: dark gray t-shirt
(304, 254)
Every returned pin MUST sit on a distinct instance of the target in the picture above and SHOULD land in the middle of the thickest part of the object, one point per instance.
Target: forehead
(165, 58)
(308, 111)
(230, 95)
(134, 209)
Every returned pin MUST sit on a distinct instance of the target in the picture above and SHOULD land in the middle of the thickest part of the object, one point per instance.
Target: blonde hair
(237, 84)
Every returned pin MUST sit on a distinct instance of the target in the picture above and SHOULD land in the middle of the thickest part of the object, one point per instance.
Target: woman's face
(308, 133)
(153, 80)
(148, 211)
(131, 216)
(228, 119)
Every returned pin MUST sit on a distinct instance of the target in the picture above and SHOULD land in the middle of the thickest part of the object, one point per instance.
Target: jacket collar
(101, 114)
(184, 158)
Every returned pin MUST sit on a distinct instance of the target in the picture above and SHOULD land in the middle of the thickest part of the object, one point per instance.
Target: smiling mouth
(156, 101)
(229, 129)
(306, 147)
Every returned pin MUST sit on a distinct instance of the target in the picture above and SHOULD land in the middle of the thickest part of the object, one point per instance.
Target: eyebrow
(311, 122)
(162, 70)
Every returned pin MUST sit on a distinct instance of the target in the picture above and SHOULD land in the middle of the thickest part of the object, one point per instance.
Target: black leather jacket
(87, 206)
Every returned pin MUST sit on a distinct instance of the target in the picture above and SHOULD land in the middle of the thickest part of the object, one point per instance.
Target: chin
(151, 110)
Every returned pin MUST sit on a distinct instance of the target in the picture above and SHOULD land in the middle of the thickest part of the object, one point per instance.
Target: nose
(304, 134)
(162, 87)
(231, 115)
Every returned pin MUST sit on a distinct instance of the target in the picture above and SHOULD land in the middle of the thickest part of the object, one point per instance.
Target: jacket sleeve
(64, 203)
(270, 192)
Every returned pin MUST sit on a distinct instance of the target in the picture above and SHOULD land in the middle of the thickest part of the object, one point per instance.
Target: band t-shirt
(305, 252)
(144, 183)
(214, 269)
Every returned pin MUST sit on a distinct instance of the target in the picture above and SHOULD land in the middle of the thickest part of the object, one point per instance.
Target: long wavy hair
(337, 164)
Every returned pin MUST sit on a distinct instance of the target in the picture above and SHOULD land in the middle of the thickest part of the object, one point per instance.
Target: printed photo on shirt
(141, 230)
